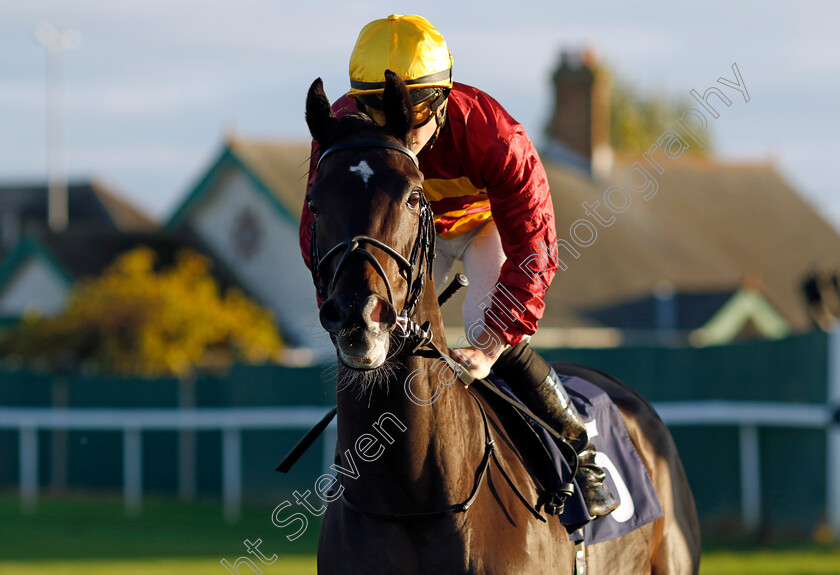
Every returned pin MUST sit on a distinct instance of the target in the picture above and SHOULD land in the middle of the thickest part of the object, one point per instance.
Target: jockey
(492, 210)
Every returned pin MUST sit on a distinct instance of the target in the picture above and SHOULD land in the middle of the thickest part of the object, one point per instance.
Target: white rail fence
(748, 417)
(132, 422)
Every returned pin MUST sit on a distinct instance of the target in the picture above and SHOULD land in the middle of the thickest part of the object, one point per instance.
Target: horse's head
(372, 235)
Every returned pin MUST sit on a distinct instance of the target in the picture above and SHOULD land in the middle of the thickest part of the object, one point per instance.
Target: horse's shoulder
(508, 431)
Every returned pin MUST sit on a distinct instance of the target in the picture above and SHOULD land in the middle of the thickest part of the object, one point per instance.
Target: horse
(431, 481)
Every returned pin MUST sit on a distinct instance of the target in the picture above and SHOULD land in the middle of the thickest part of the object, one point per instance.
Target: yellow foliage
(637, 119)
(134, 319)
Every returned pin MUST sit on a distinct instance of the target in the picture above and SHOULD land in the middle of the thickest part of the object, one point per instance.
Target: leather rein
(414, 269)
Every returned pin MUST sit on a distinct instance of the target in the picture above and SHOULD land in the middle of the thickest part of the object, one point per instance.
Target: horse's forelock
(356, 125)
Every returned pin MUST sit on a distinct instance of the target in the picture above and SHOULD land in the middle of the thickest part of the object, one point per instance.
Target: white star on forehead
(363, 171)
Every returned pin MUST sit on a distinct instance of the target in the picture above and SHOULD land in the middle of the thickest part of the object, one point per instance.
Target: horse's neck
(429, 432)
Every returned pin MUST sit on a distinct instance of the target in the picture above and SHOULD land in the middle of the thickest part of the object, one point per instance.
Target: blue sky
(155, 84)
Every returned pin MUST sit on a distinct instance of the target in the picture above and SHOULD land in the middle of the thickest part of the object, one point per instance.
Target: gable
(34, 286)
(271, 170)
(238, 223)
(747, 312)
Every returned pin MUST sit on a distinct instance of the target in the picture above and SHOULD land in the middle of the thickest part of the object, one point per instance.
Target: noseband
(414, 269)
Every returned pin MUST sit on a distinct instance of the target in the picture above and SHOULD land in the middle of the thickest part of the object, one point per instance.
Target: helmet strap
(440, 120)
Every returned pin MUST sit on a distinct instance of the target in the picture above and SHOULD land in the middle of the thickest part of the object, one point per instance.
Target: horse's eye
(414, 198)
(312, 208)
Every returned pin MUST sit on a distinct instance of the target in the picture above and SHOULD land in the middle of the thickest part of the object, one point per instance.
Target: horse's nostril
(379, 313)
(332, 315)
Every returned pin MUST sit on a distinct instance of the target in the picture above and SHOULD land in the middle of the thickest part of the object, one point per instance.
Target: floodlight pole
(56, 42)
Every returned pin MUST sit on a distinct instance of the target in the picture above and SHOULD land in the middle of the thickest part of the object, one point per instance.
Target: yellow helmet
(409, 46)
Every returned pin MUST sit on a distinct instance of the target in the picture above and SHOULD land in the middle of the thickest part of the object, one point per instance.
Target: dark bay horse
(423, 488)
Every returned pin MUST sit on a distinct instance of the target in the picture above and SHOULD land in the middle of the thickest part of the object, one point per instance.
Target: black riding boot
(545, 395)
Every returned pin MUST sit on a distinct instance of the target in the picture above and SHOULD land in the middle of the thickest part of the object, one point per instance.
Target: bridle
(415, 269)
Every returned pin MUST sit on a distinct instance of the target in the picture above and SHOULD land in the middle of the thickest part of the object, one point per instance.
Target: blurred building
(231, 216)
(39, 272)
(713, 251)
(246, 209)
(732, 242)
(23, 207)
(36, 271)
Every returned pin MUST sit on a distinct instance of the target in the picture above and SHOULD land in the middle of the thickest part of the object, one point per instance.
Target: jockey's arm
(521, 205)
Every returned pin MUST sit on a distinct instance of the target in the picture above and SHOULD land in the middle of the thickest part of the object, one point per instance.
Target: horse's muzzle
(361, 332)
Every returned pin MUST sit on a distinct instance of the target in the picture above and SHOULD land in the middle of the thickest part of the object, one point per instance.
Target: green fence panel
(23, 388)
(94, 459)
(793, 461)
(793, 369)
(160, 462)
(711, 459)
(125, 392)
(262, 450)
(793, 474)
(258, 386)
(8, 457)
(209, 462)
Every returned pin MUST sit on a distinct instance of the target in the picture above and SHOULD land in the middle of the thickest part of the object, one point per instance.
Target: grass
(294, 565)
(89, 535)
(806, 560)
(92, 536)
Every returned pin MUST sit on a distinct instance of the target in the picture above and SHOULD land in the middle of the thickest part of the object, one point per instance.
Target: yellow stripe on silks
(465, 224)
(461, 213)
(438, 189)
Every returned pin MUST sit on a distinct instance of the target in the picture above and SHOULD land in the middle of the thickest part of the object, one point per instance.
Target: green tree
(637, 119)
(134, 319)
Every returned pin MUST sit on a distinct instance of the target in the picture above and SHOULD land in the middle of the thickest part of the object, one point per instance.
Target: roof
(711, 224)
(88, 201)
(691, 311)
(124, 215)
(278, 170)
(282, 167)
(86, 251)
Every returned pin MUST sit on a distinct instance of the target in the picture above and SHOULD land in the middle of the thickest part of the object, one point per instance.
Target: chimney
(579, 129)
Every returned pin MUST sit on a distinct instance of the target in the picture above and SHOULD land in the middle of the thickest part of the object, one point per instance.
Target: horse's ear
(396, 104)
(319, 114)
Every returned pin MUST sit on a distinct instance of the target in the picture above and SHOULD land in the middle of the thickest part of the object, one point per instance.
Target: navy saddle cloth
(627, 476)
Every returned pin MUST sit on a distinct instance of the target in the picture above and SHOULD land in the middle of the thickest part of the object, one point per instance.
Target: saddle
(626, 474)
